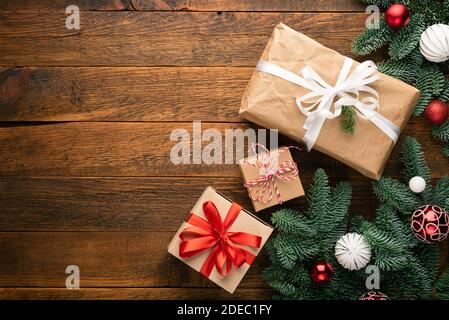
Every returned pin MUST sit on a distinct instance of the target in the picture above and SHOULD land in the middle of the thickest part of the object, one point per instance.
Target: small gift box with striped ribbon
(271, 177)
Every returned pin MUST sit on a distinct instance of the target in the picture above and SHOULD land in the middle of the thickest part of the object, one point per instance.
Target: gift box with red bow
(220, 239)
(271, 177)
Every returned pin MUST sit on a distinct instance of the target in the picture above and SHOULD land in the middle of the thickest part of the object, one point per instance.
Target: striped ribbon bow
(261, 188)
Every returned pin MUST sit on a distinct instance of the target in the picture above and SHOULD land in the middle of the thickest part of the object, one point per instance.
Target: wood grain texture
(85, 175)
(125, 94)
(143, 149)
(61, 5)
(186, 5)
(248, 5)
(161, 39)
(134, 294)
(131, 204)
(105, 259)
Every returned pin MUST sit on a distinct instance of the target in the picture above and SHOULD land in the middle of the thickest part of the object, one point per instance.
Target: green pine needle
(430, 82)
(441, 132)
(372, 39)
(396, 194)
(407, 39)
(347, 119)
(442, 287)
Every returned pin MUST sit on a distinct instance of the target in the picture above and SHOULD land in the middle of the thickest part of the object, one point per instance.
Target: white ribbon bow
(317, 104)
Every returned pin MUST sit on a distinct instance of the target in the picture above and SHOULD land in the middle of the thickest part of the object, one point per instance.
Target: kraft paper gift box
(273, 102)
(278, 189)
(247, 235)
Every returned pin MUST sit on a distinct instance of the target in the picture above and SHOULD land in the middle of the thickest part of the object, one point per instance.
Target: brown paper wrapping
(288, 189)
(245, 222)
(270, 102)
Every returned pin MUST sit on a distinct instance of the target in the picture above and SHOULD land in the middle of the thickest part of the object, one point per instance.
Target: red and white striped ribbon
(262, 186)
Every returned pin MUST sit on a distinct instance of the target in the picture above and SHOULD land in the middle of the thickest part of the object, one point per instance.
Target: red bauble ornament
(397, 16)
(374, 295)
(321, 272)
(436, 112)
(430, 224)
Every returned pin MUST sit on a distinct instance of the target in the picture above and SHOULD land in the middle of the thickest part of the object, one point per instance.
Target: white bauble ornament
(434, 43)
(417, 184)
(352, 251)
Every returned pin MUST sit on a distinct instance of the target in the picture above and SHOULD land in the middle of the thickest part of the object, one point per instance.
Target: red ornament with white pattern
(430, 224)
(321, 272)
(374, 295)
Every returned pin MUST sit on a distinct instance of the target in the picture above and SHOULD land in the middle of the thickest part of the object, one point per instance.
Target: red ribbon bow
(286, 171)
(213, 233)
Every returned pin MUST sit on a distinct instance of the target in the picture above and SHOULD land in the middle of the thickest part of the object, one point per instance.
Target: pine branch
(404, 70)
(441, 132)
(387, 220)
(441, 192)
(337, 218)
(319, 196)
(347, 119)
(372, 39)
(396, 194)
(442, 286)
(430, 82)
(414, 161)
(444, 94)
(289, 221)
(407, 39)
(445, 150)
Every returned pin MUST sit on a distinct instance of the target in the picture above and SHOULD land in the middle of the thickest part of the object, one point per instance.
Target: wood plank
(143, 149)
(133, 293)
(105, 259)
(161, 39)
(131, 204)
(187, 5)
(125, 94)
(248, 5)
(61, 5)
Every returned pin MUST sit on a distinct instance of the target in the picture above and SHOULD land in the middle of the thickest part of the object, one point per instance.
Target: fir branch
(428, 257)
(407, 39)
(285, 288)
(441, 132)
(414, 161)
(404, 70)
(284, 251)
(430, 82)
(387, 220)
(445, 150)
(347, 119)
(442, 286)
(372, 39)
(337, 218)
(441, 192)
(319, 196)
(444, 94)
(289, 221)
(396, 194)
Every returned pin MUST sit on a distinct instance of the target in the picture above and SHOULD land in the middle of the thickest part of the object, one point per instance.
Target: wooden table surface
(86, 116)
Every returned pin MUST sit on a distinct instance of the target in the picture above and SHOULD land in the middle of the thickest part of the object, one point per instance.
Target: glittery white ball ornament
(434, 43)
(417, 184)
(352, 251)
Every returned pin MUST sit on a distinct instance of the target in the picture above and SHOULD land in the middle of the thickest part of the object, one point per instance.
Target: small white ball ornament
(352, 251)
(434, 43)
(417, 184)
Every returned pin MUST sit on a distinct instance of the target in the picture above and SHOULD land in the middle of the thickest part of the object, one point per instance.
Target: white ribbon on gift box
(316, 105)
